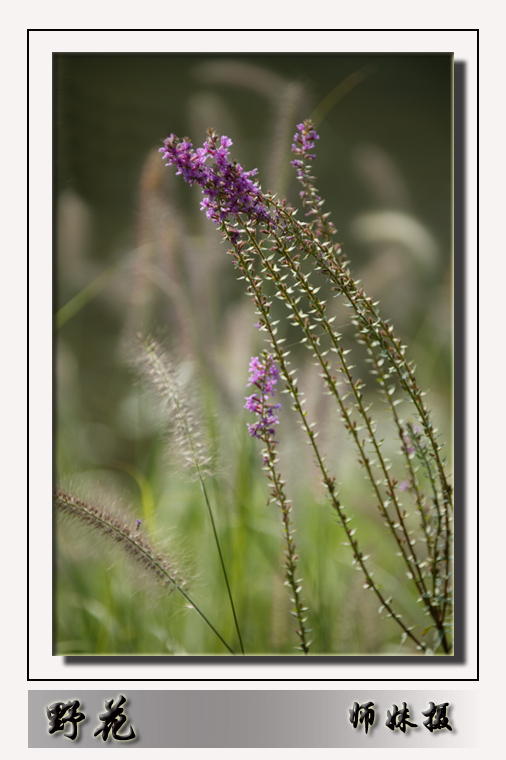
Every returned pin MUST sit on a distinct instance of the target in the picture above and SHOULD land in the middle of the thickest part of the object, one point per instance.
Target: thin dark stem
(204, 491)
(291, 555)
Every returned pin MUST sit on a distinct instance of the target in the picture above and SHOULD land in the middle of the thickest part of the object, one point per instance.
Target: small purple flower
(137, 523)
(412, 441)
(264, 375)
(407, 446)
(304, 141)
(228, 190)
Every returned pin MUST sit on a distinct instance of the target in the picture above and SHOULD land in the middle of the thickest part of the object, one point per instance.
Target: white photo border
(43, 666)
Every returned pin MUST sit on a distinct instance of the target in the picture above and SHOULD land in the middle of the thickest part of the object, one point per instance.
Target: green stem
(204, 491)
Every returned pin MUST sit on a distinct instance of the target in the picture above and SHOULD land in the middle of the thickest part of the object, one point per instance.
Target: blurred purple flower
(412, 440)
(407, 445)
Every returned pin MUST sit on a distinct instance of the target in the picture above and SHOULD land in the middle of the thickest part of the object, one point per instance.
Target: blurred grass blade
(85, 296)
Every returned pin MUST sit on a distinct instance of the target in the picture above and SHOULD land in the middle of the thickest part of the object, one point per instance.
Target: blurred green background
(134, 253)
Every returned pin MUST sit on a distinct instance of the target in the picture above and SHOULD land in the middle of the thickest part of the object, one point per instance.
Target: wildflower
(304, 142)
(264, 375)
(228, 190)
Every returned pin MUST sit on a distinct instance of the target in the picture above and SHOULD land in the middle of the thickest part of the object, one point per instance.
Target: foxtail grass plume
(128, 537)
(135, 545)
(161, 376)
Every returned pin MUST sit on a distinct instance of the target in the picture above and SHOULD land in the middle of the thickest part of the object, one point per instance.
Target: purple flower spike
(264, 375)
(304, 141)
(228, 190)
(303, 144)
